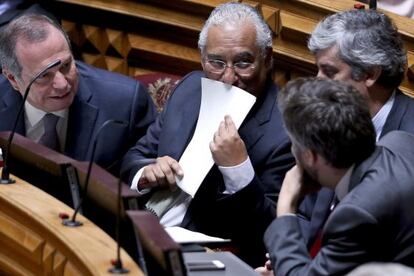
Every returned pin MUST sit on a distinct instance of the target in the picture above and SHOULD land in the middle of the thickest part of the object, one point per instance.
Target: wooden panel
(161, 36)
(34, 241)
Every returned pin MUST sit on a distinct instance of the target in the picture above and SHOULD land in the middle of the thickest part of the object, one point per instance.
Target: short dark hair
(328, 117)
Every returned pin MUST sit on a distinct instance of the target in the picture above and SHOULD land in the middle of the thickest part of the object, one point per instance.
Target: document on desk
(182, 235)
(217, 100)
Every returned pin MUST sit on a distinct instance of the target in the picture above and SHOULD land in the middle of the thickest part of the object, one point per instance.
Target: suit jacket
(314, 209)
(374, 221)
(101, 96)
(211, 211)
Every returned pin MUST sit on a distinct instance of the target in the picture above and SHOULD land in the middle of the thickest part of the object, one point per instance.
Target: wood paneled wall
(139, 36)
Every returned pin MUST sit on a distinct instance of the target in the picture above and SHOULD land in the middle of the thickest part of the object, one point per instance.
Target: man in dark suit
(250, 163)
(362, 48)
(333, 141)
(82, 97)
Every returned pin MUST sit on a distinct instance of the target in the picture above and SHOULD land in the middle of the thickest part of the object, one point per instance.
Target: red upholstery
(159, 86)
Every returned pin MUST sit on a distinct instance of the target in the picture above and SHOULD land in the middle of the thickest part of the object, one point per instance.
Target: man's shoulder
(7, 93)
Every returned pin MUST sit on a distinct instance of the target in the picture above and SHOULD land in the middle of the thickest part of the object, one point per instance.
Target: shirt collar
(34, 115)
(343, 185)
(379, 119)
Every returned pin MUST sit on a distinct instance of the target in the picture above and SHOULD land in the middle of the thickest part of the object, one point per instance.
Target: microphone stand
(117, 265)
(73, 222)
(5, 174)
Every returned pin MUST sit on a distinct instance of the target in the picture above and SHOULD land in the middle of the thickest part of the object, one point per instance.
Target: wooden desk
(34, 241)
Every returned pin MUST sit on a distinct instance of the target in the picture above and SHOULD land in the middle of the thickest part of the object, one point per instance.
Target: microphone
(73, 222)
(117, 264)
(5, 174)
(373, 4)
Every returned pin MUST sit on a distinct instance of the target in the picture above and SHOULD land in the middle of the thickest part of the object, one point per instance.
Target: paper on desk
(217, 100)
(182, 235)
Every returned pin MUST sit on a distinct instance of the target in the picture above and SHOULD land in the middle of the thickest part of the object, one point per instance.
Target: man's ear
(11, 78)
(269, 57)
(373, 76)
(309, 157)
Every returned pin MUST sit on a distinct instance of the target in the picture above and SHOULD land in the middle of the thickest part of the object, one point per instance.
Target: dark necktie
(50, 138)
(314, 249)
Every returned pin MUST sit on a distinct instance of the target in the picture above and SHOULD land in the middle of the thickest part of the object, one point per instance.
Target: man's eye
(217, 63)
(242, 65)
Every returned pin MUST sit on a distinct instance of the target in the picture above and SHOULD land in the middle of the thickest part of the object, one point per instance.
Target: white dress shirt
(381, 117)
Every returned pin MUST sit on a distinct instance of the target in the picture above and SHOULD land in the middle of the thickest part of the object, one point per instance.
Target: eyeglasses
(217, 66)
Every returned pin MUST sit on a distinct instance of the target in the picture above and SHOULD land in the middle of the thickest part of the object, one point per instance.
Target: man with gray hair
(237, 197)
(361, 48)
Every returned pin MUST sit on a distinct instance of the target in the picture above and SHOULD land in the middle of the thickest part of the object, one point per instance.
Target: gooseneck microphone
(5, 174)
(72, 222)
(117, 264)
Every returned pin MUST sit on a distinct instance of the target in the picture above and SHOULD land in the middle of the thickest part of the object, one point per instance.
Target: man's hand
(267, 269)
(162, 173)
(227, 147)
(291, 192)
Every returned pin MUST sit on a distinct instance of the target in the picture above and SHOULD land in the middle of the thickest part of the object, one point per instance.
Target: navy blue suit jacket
(315, 207)
(243, 216)
(101, 96)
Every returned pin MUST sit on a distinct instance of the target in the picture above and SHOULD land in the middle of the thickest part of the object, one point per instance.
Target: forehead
(232, 37)
(329, 56)
(33, 55)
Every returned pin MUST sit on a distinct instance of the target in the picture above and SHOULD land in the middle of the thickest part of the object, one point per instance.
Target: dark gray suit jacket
(211, 211)
(374, 222)
(315, 208)
(101, 96)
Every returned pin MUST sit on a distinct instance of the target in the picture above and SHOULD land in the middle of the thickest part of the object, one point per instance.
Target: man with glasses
(237, 197)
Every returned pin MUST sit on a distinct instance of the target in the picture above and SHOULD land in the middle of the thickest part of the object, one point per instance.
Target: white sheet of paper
(217, 100)
(182, 235)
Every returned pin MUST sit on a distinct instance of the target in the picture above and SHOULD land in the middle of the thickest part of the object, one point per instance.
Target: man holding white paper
(233, 173)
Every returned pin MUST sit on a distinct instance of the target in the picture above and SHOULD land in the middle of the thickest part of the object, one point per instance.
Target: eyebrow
(242, 55)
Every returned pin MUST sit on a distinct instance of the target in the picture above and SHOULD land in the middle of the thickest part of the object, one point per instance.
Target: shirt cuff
(237, 177)
(134, 184)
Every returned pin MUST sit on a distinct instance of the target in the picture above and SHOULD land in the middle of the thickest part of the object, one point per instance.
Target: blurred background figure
(382, 269)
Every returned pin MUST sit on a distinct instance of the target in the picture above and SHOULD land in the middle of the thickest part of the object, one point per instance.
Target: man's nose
(59, 81)
(229, 75)
(321, 75)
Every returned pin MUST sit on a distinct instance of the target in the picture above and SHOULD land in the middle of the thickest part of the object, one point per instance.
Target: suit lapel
(81, 125)
(252, 128)
(397, 112)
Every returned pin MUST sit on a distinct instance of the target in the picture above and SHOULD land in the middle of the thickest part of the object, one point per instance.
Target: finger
(177, 169)
(167, 171)
(149, 176)
(213, 147)
(222, 129)
(216, 137)
(229, 124)
(159, 175)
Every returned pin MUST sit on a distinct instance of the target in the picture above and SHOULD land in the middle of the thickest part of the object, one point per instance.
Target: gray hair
(30, 27)
(237, 13)
(365, 39)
